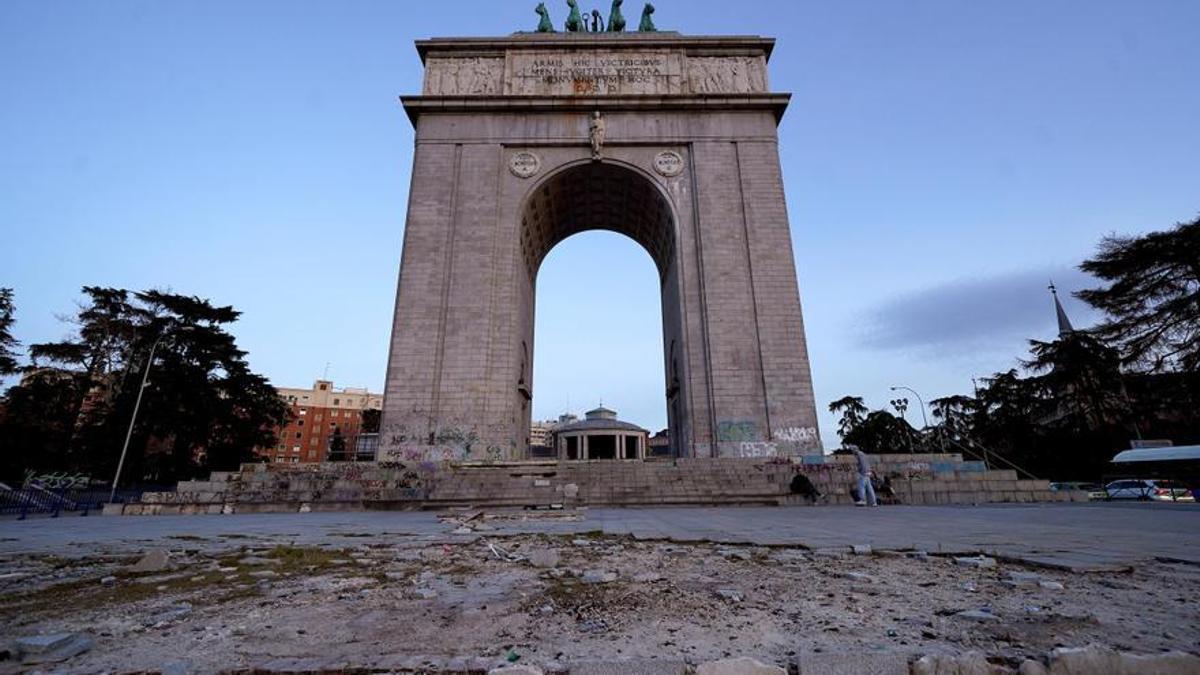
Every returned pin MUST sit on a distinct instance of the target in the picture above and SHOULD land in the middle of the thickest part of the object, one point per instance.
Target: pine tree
(1152, 296)
(202, 408)
(8, 355)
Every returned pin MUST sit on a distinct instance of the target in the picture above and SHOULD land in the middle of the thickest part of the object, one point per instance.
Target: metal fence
(32, 500)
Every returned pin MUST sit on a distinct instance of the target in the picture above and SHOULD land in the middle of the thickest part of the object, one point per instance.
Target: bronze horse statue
(574, 20)
(616, 21)
(647, 24)
(544, 24)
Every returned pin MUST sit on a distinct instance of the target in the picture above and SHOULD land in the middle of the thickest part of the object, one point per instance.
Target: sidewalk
(1071, 535)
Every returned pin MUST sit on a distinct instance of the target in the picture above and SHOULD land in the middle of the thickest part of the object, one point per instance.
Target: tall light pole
(901, 405)
(133, 419)
(924, 419)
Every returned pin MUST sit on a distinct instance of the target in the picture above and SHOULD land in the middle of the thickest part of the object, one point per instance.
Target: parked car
(1149, 490)
(1093, 489)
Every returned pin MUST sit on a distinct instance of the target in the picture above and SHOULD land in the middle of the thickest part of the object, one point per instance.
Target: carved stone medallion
(524, 164)
(668, 163)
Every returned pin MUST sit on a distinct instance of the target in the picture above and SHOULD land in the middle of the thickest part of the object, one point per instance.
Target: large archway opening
(599, 331)
(604, 196)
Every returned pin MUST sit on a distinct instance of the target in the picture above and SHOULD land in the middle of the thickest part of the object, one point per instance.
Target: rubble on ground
(540, 603)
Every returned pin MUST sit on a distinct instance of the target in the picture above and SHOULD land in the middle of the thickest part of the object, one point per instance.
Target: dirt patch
(588, 597)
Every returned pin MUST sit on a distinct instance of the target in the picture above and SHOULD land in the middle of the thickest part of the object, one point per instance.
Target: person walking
(866, 491)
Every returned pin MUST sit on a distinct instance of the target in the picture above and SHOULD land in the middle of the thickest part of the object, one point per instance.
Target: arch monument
(525, 140)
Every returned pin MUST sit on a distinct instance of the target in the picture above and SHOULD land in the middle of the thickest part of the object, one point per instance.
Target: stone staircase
(257, 488)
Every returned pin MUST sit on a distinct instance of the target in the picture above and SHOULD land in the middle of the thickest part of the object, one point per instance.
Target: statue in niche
(616, 21)
(596, 135)
(597, 21)
(647, 24)
(574, 20)
(544, 24)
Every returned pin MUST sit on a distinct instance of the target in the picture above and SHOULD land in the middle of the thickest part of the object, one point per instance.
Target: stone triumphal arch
(526, 140)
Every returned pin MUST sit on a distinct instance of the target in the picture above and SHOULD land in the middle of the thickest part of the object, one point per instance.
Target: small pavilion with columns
(600, 435)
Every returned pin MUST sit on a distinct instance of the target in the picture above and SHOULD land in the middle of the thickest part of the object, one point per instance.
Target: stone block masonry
(526, 140)
(916, 479)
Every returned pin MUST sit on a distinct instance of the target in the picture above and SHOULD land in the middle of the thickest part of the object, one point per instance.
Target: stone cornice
(497, 46)
(416, 106)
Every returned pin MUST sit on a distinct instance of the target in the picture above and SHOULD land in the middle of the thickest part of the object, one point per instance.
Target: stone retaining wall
(256, 488)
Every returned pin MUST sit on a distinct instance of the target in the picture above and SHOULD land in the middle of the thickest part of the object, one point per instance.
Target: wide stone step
(915, 479)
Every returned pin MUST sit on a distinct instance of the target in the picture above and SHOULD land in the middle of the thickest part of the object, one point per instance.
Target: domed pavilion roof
(600, 419)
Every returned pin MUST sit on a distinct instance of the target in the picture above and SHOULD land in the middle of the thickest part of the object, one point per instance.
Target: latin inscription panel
(594, 73)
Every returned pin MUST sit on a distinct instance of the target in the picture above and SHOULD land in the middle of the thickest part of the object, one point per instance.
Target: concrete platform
(1081, 537)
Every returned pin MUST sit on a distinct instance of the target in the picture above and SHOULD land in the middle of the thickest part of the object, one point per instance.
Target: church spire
(1064, 324)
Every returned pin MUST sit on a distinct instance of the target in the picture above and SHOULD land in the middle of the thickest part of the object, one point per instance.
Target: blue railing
(31, 500)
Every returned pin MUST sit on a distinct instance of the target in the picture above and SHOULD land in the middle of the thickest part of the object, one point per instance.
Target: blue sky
(943, 160)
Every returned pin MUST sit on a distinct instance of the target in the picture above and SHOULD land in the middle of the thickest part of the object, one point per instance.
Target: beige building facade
(318, 415)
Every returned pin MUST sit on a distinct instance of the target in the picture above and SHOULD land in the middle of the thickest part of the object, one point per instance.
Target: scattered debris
(155, 560)
(981, 615)
(1022, 579)
(740, 666)
(1100, 659)
(606, 599)
(598, 577)
(504, 555)
(858, 576)
(516, 670)
(51, 647)
(972, 662)
(975, 561)
(544, 558)
(731, 594)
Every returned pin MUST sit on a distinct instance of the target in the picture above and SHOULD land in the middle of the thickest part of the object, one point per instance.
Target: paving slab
(1071, 536)
(629, 667)
(853, 663)
(1078, 563)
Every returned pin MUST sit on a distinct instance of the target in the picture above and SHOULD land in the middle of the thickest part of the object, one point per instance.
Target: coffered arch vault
(593, 195)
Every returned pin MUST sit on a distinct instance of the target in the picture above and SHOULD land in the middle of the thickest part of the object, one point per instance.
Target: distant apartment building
(541, 435)
(318, 414)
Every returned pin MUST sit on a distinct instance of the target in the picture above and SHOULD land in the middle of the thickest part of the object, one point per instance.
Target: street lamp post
(901, 405)
(924, 419)
(133, 419)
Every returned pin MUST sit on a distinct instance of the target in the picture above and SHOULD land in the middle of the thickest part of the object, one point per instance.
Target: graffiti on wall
(61, 480)
(804, 438)
(757, 449)
(828, 471)
(447, 443)
(736, 431)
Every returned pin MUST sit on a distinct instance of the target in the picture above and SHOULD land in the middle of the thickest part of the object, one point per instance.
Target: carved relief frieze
(727, 74)
(468, 76)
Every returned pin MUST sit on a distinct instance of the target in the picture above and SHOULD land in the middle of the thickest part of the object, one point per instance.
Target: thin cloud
(976, 314)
